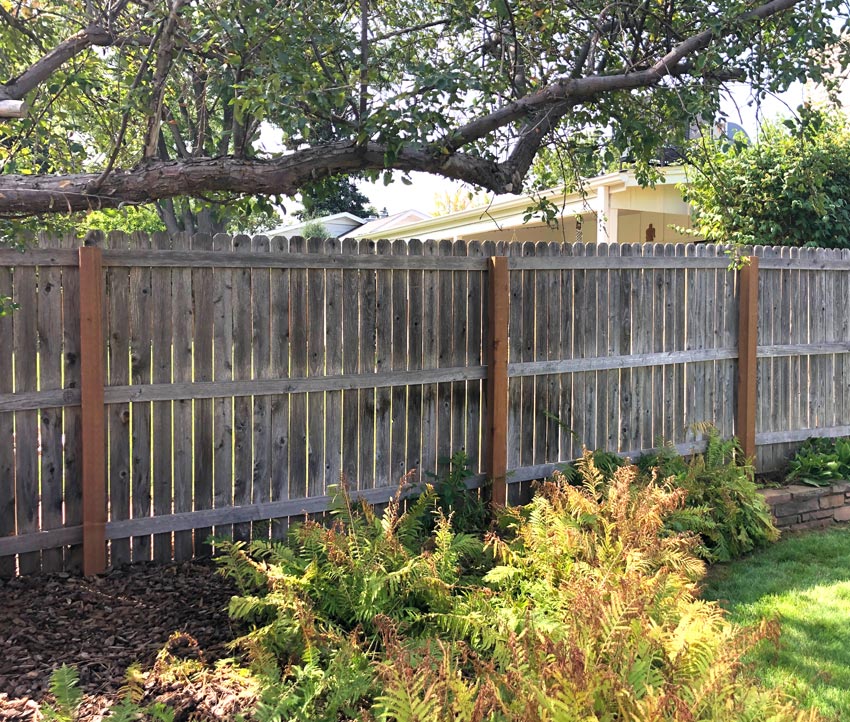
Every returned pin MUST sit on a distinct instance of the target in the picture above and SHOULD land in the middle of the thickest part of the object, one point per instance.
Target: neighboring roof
(509, 212)
(374, 227)
(345, 221)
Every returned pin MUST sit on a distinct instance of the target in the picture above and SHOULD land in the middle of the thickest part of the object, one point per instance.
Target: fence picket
(182, 324)
(398, 362)
(118, 417)
(26, 422)
(367, 337)
(202, 358)
(298, 368)
(163, 430)
(430, 360)
(334, 310)
(279, 345)
(261, 339)
(476, 293)
(415, 362)
(8, 564)
(140, 373)
(350, 346)
(223, 301)
(49, 332)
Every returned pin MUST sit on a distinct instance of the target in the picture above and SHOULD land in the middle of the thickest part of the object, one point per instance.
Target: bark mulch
(102, 625)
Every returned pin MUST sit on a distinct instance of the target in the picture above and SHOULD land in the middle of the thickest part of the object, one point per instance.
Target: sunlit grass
(803, 582)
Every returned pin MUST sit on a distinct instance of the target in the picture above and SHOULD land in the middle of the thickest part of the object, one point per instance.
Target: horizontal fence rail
(237, 380)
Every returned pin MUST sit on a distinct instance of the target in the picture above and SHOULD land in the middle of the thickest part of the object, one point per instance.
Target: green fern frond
(64, 687)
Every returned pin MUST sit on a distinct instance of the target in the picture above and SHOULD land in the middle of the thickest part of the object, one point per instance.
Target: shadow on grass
(803, 582)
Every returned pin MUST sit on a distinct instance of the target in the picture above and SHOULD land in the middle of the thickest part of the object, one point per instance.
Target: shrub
(819, 462)
(584, 609)
(465, 507)
(723, 503)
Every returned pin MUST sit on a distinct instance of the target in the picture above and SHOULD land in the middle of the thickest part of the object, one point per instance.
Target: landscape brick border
(798, 507)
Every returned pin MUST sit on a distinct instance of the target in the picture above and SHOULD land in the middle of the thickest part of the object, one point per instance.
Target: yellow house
(612, 209)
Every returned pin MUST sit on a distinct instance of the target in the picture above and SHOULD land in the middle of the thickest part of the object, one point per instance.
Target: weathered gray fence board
(279, 345)
(368, 310)
(72, 421)
(202, 359)
(50, 429)
(7, 429)
(140, 373)
(163, 337)
(398, 362)
(541, 352)
(334, 339)
(182, 323)
(118, 419)
(515, 336)
(430, 360)
(415, 295)
(223, 300)
(26, 422)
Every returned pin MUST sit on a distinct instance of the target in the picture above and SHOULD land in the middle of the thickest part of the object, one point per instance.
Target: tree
(460, 199)
(138, 101)
(792, 188)
(336, 194)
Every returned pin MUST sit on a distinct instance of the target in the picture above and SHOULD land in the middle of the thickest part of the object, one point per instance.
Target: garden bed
(102, 625)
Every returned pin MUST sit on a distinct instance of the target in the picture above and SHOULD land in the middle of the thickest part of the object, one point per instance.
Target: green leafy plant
(820, 462)
(316, 229)
(723, 504)
(587, 610)
(790, 188)
(464, 506)
(64, 686)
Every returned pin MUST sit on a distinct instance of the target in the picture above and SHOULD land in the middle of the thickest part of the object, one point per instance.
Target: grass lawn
(803, 581)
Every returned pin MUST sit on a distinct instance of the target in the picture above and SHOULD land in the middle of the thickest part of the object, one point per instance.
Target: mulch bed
(101, 625)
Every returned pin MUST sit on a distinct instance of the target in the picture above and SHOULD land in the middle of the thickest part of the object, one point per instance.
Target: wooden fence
(155, 389)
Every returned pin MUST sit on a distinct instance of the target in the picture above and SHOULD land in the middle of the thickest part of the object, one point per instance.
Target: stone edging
(799, 507)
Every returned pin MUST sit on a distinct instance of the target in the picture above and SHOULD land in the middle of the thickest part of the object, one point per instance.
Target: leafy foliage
(64, 686)
(470, 90)
(792, 188)
(336, 194)
(586, 610)
(723, 504)
(820, 462)
(464, 507)
(316, 229)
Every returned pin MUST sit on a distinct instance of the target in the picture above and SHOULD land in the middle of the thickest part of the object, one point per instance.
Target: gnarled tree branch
(49, 63)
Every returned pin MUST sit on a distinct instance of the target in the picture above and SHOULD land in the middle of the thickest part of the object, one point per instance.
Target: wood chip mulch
(101, 625)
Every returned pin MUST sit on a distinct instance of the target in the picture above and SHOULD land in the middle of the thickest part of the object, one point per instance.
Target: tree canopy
(134, 101)
(335, 194)
(792, 188)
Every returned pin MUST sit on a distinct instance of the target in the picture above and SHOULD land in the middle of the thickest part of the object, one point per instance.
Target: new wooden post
(497, 378)
(748, 311)
(91, 387)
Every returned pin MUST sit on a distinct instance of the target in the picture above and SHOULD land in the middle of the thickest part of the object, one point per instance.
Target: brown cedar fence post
(497, 378)
(747, 350)
(91, 386)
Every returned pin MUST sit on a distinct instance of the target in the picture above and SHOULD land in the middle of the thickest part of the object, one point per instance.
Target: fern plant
(595, 601)
(723, 504)
(587, 610)
(64, 687)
